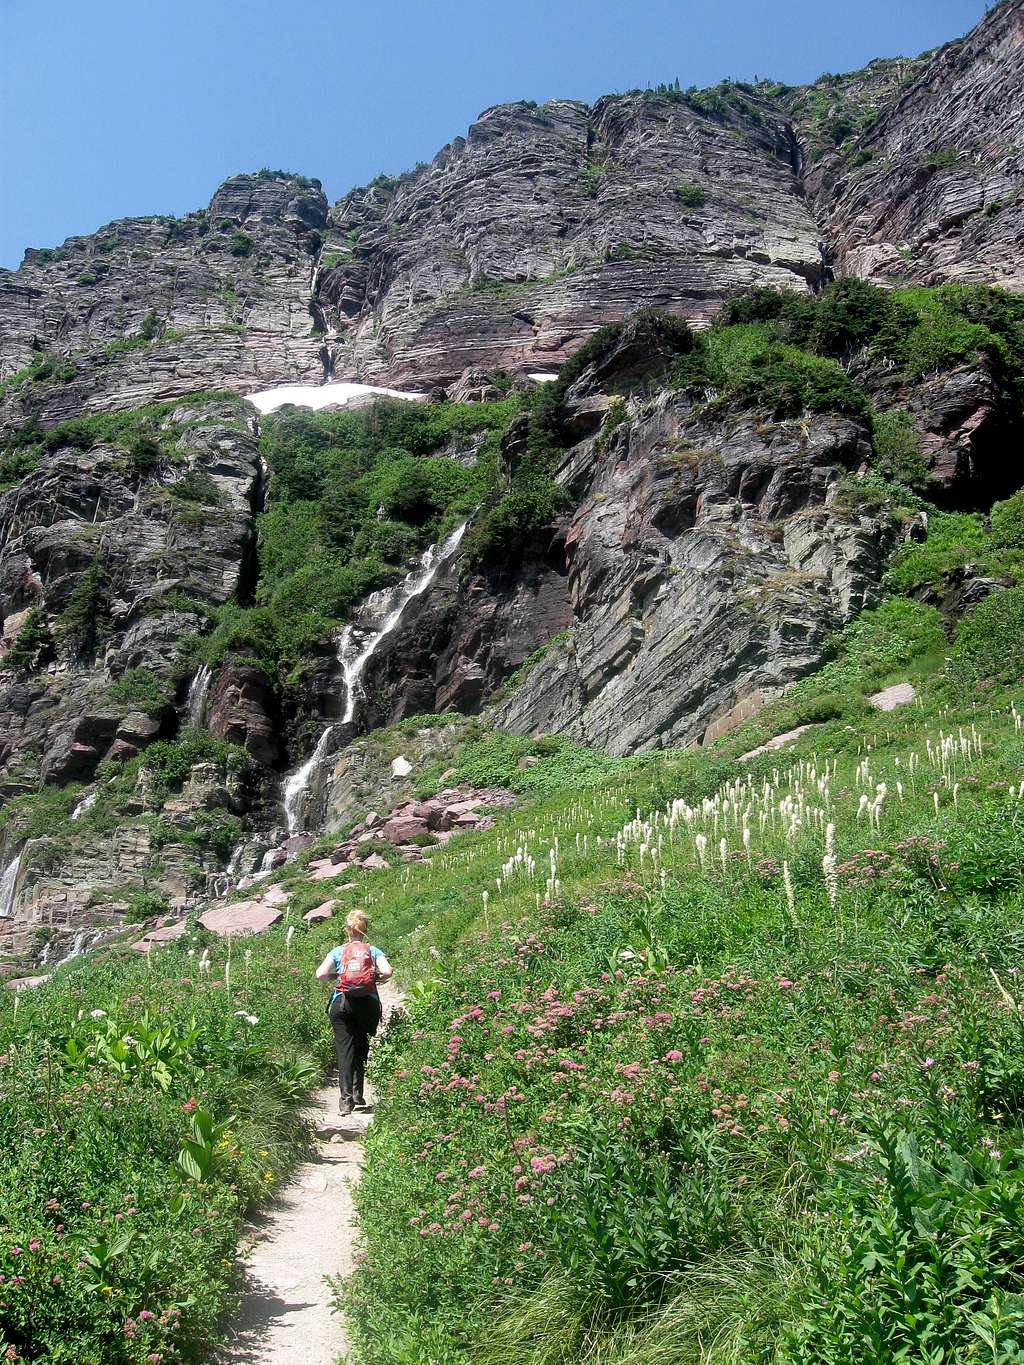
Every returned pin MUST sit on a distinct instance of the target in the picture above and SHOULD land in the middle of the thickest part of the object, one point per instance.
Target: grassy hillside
(726, 1065)
(707, 1057)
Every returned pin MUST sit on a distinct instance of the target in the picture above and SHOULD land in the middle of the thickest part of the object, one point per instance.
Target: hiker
(354, 1009)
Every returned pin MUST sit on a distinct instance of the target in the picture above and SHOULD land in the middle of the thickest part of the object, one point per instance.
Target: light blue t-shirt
(375, 953)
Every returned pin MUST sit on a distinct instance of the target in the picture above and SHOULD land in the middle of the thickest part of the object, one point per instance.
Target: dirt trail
(307, 1233)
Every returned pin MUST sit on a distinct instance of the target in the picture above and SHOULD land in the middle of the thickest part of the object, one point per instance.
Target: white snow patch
(322, 395)
(542, 378)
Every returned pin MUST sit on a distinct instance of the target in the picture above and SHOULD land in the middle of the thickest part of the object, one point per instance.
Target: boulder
(241, 920)
(25, 983)
(400, 766)
(900, 694)
(319, 913)
(375, 863)
(164, 934)
(326, 871)
(402, 829)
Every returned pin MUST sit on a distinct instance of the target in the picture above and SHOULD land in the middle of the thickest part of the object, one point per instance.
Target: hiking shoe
(360, 1102)
(345, 1105)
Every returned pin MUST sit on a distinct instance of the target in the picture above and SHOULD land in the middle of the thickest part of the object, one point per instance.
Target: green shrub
(990, 641)
(141, 688)
(147, 905)
(196, 486)
(1008, 523)
(40, 815)
(945, 1218)
(241, 244)
(30, 646)
(942, 159)
(898, 452)
(151, 326)
(919, 329)
(690, 196)
(84, 625)
(145, 455)
(953, 539)
(747, 364)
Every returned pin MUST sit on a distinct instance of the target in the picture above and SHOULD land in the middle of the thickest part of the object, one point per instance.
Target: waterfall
(9, 886)
(235, 860)
(411, 586)
(83, 941)
(86, 803)
(195, 702)
(395, 600)
(295, 787)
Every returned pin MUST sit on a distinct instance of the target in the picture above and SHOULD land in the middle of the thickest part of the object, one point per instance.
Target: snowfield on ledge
(322, 395)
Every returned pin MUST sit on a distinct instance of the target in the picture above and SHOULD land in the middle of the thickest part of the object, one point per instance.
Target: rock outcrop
(932, 189)
(709, 558)
(541, 224)
(155, 308)
(699, 560)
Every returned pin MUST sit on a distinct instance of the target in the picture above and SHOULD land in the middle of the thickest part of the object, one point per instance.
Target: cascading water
(8, 887)
(86, 803)
(413, 585)
(195, 702)
(83, 941)
(353, 665)
(295, 787)
(235, 861)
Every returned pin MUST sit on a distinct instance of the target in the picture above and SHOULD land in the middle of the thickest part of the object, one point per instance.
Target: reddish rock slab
(240, 920)
(400, 829)
(900, 694)
(779, 742)
(325, 871)
(165, 934)
(277, 895)
(319, 913)
(375, 863)
(25, 983)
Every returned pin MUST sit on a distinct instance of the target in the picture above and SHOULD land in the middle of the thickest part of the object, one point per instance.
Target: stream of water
(86, 803)
(356, 646)
(8, 886)
(195, 702)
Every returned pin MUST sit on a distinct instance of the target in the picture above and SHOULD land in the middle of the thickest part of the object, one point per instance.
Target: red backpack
(356, 975)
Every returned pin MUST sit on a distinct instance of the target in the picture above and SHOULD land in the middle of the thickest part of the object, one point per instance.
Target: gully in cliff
(354, 1009)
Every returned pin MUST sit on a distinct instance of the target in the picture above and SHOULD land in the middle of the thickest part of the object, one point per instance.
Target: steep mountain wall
(543, 223)
(698, 545)
(932, 189)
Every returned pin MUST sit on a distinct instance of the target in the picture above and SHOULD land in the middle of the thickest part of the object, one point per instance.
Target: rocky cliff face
(704, 548)
(931, 190)
(155, 308)
(543, 223)
(108, 569)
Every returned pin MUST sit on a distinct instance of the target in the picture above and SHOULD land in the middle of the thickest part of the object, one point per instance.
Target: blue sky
(110, 108)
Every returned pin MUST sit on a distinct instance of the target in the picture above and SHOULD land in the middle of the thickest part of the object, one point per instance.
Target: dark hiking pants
(354, 1020)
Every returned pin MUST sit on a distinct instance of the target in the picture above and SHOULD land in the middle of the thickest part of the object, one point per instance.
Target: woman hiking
(354, 1010)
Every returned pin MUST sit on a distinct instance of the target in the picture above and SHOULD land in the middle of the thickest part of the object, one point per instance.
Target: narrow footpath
(308, 1232)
